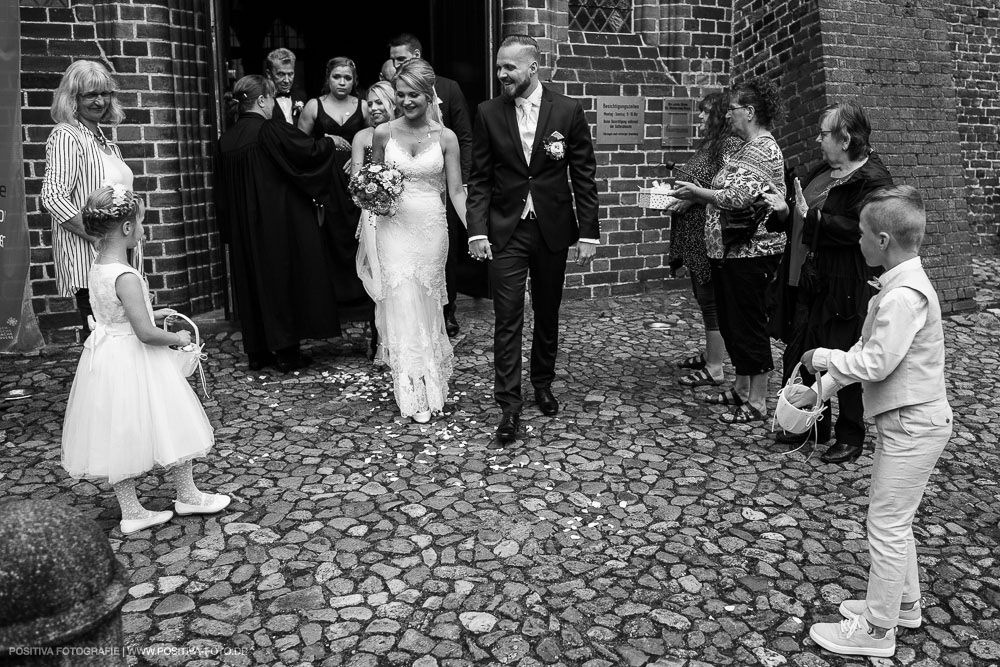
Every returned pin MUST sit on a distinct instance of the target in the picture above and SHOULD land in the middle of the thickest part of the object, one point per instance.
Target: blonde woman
(413, 244)
(79, 159)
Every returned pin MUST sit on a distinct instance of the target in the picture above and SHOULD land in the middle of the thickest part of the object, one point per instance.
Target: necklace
(99, 138)
(417, 134)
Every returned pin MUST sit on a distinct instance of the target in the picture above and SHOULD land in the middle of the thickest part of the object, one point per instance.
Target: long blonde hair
(80, 77)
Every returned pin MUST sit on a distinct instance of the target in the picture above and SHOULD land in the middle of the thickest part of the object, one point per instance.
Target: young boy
(900, 362)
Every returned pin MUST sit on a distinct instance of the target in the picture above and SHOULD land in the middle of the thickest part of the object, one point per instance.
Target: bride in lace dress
(412, 244)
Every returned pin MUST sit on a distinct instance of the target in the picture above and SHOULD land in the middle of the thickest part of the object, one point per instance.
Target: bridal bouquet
(376, 188)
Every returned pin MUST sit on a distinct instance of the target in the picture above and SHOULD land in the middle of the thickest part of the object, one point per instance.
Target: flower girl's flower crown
(124, 204)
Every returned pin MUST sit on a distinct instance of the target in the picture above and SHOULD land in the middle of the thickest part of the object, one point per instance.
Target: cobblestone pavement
(632, 529)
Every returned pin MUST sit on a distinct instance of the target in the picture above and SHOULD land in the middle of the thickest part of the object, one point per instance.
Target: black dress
(268, 176)
(341, 221)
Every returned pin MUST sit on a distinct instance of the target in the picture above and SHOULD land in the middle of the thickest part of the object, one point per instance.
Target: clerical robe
(268, 177)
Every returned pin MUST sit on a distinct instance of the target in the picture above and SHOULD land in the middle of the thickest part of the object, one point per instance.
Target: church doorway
(459, 38)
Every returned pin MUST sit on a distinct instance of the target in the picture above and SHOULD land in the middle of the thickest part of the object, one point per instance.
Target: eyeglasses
(93, 95)
(748, 106)
(823, 133)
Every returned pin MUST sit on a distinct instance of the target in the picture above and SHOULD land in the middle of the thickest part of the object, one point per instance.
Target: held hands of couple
(480, 249)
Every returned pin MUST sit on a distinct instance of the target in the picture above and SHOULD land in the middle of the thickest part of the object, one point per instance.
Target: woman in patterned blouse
(743, 270)
(687, 237)
(80, 159)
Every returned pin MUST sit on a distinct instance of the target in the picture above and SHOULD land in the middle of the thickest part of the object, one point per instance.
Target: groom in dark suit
(521, 217)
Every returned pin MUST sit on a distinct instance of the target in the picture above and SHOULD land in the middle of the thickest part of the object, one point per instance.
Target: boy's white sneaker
(129, 526)
(850, 637)
(908, 618)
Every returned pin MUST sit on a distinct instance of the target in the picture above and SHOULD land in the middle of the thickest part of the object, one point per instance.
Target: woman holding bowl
(687, 237)
(743, 269)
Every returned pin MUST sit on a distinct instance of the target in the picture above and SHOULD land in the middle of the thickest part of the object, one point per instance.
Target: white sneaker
(216, 502)
(422, 417)
(850, 637)
(129, 526)
(908, 618)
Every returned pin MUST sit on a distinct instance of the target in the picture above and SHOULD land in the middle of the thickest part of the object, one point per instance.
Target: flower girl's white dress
(130, 409)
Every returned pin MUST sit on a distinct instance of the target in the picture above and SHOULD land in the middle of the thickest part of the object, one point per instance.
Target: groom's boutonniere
(297, 106)
(555, 146)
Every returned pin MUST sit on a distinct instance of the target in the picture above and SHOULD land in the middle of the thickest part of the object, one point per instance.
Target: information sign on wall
(619, 120)
(678, 122)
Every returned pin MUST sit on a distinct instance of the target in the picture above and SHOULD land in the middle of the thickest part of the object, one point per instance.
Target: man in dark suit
(281, 71)
(521, 217)
(454, 116)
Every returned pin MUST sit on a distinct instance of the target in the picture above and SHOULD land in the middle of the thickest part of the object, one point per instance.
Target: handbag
(739, 226)
(188, 358)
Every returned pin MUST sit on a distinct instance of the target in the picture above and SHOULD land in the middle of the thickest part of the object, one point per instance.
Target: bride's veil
(434, 109)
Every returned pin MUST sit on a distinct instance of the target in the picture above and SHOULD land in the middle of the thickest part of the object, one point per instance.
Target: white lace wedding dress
(412, 247)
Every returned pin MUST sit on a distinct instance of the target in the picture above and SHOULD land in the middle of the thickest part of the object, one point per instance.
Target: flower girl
(130, 408)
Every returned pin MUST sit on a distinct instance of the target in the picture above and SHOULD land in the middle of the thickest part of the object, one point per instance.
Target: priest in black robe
(269, 178)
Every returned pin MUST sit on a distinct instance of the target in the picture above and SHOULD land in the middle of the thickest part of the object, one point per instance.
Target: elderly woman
(830, 290)
(743, 268)
(80, 159)
(687, 238)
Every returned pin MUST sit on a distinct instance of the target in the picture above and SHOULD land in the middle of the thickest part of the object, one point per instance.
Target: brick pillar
(974, 37)
(158, 52)
(894, 60)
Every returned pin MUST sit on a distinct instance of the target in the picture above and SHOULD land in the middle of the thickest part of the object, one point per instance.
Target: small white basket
(655, 198)
(793, 419)
(189, 357)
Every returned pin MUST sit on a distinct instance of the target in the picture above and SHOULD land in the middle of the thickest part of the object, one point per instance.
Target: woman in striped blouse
(79, 159)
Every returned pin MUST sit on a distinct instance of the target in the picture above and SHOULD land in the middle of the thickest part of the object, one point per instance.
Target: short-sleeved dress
(130, 408)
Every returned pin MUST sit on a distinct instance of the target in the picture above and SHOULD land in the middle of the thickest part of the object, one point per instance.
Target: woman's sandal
(743, 414)
(728, 397)
(695, 362)
(700, 378)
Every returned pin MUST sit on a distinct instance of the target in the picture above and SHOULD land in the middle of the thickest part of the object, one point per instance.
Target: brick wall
(974, 36)
(158, 51)
(894, 59)
(677, 49)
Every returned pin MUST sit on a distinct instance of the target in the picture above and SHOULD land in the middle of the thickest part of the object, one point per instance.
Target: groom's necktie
(526, 122)
(526, 126)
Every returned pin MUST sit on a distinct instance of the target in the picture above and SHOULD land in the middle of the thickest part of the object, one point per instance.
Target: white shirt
(901, 314)
(286, 106)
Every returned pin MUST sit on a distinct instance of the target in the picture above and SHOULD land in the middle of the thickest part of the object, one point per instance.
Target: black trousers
(525, 254)
(741, 298)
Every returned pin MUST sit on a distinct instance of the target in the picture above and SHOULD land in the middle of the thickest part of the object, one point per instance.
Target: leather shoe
(842, 453)
(547, 403)
(258, 361)
(507, 430)
(451, 325)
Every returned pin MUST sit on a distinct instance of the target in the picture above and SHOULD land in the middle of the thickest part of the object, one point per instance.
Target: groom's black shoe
(547, 403)
(507, 430)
